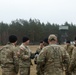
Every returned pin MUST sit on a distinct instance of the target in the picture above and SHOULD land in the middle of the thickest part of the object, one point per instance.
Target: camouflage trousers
(8, 71)
(40, 70)
(25, 71)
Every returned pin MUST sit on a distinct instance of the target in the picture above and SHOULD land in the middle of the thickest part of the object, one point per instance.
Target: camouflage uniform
(9, 60)
(24, 60)
(72, 67)
(38, 50)
(69, 49)
(52, 59)
(36, 54)
(38, 68)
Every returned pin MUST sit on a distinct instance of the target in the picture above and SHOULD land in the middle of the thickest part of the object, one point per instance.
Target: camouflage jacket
(52, 58)
(36, 54)
(72, 66)
(9, 57)
(24, 57)
(69, 49)
(38, 50)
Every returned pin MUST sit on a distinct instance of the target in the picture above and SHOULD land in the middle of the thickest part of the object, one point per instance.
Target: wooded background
(35, 30)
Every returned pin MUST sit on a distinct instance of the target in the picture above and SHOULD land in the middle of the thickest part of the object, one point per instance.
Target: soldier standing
(24, 57)
(9, 60)
(40, 69)
(72, 67)
(42, 44)
(52, 57)
(69, 48)
(39, 48)
(38, 51)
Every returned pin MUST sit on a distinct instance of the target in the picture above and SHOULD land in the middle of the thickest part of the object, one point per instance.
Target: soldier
(45, 42)
(42, 44)
(39, 48)
(69, 48)
(72, 67)
(9, 60)
(24, 57)
(52, 57)
(38, 51)
(40, 69)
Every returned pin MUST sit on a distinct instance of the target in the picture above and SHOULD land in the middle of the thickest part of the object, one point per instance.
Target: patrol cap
(24, 39)
(52, 37)
(12, 38)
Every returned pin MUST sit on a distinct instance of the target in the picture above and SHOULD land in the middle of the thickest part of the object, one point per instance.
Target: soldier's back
(52, 56)
(7, 60)
(54, 59)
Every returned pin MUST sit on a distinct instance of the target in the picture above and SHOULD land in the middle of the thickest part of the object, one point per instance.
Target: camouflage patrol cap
(52, 37)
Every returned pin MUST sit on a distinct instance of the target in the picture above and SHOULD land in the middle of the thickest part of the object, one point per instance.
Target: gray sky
(53, 11)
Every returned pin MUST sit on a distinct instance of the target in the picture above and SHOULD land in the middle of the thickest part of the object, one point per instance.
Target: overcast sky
(53, 11)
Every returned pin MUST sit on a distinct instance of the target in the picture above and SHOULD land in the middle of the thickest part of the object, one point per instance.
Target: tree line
(35, 30)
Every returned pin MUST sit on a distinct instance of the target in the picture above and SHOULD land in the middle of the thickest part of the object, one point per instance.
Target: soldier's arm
(16, 60)
(42, 56)
(23, 56)
(66, 58)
